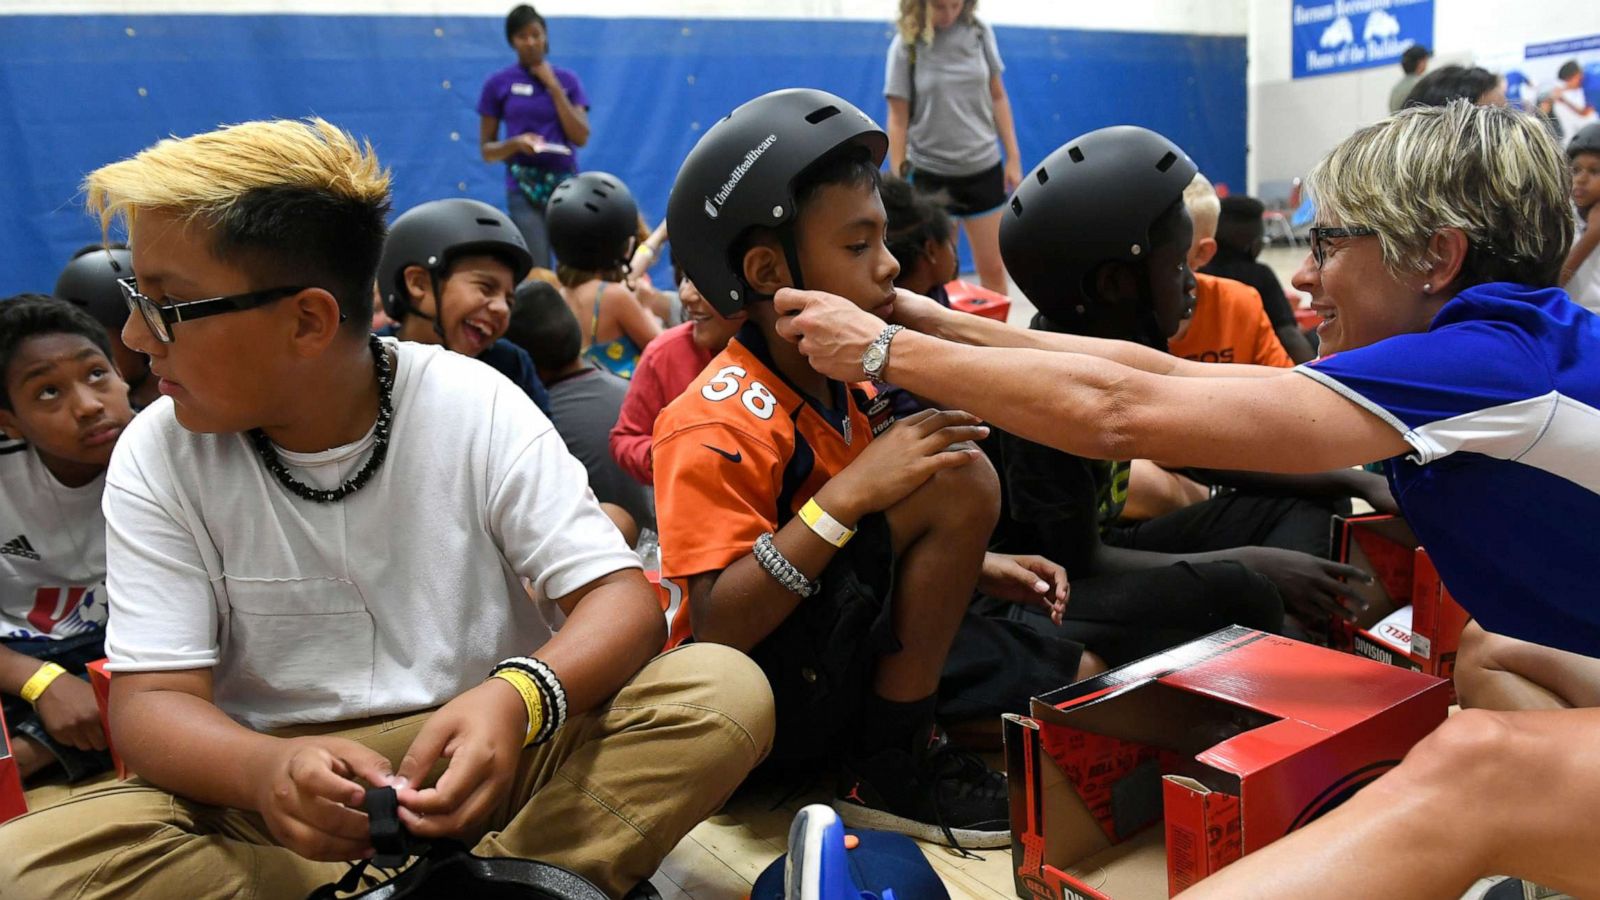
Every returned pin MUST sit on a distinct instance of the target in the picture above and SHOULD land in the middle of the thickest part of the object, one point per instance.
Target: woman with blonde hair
(948, 115)
(1448, 354)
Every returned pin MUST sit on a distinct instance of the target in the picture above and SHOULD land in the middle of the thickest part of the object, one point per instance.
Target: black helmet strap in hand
(445, 868)
(391, 843)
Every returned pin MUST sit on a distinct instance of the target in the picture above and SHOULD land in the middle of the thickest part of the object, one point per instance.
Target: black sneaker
(934, 793)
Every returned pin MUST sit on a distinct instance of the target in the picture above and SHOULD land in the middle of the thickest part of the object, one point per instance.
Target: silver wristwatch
(876, 357)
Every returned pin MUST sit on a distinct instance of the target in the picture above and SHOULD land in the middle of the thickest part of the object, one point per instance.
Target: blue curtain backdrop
(77, 92)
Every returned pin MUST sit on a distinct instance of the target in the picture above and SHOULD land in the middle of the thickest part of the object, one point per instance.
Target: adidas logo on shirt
(19, 546)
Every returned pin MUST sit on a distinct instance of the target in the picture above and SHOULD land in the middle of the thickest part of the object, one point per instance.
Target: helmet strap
(438, 309)
(791, 255)
(1150, 333)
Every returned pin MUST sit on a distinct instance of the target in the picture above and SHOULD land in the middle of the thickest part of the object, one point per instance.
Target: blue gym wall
(78, 92)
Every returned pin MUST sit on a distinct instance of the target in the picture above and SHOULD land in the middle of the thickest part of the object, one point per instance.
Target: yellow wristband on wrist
(35, 686)
(825, 526)
(523, 682)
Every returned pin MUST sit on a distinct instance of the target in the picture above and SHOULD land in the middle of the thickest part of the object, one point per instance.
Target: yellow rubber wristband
(825, 526)
(35, 686)
(523, 682)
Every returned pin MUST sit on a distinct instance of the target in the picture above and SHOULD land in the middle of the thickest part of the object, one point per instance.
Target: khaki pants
(608, 798)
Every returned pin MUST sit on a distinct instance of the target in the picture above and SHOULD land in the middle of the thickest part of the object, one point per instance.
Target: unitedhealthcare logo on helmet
(715, 202)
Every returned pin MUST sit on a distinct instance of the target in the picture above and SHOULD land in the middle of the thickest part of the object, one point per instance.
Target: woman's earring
(1427, 288)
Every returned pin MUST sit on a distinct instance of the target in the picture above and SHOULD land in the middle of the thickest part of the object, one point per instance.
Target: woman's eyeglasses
(1320, 237)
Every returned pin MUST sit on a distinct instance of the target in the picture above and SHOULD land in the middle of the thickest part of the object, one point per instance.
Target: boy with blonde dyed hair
(316, 542)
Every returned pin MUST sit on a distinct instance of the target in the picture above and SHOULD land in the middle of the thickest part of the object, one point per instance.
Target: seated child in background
(1239, 238)
(922, 239)
(842, 560)
(316, 547)
(61, 395)
(584, 400)
(593, 240)
(1228, 324)
(1580, 275)
(666, 367)
(89, 281)
(1234, 559)
(447, 273)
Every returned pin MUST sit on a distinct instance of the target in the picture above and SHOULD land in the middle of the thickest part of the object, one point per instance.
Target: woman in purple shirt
(546, 117)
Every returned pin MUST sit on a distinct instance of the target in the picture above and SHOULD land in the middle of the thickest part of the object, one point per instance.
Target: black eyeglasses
(1320, 237)
(161, 317)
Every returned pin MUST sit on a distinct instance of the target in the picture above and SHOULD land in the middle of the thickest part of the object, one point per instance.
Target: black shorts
(966, 196)
(822, 658)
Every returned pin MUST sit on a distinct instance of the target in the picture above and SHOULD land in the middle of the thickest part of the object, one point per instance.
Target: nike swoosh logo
(730, 457)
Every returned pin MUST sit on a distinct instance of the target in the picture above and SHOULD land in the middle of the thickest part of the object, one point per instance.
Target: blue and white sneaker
(817, 867)
(828, 862)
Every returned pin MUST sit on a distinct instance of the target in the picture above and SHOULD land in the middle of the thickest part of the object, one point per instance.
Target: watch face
(872, 360)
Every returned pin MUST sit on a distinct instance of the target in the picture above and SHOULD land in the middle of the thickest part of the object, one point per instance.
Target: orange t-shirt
(736, 455)
(1229, 326)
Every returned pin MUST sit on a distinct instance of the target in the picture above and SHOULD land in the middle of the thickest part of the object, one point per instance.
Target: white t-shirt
(1571, 120)
(52, 550)
(397, 598)
(1584, 286)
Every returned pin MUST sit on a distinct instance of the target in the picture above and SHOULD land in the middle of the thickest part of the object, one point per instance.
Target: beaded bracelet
(781, 570)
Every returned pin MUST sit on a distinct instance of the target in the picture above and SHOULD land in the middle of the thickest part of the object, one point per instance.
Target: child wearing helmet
(89, 281)
(841, 556)
(1580, 274)
(593, 228)
(447, 274)
(1111, 211)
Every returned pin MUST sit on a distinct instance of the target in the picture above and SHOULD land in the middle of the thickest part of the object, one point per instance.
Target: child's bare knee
(968, 495)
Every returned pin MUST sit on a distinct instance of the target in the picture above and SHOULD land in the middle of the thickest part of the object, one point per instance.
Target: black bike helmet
(436, 232)
(741, 174)
(593, 222)
(1587, 140)
(1092, 201)
(90, 281)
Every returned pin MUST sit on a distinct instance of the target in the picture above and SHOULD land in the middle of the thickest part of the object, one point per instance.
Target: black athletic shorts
(966, 195)
(821, 659)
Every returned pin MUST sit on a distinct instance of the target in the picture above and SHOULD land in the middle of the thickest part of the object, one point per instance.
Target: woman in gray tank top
(948, 117)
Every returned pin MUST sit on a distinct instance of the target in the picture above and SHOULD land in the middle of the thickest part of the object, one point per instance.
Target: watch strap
(881, 345)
